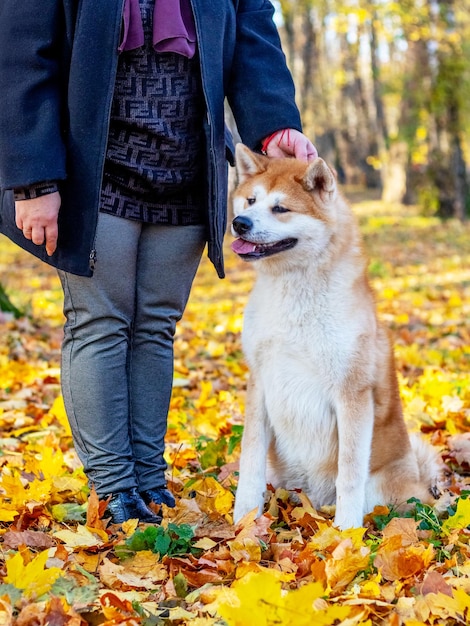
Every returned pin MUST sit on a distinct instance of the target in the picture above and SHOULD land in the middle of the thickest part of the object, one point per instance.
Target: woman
(113, 169)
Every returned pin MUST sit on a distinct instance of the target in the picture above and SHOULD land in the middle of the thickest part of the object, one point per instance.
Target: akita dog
(323, 411)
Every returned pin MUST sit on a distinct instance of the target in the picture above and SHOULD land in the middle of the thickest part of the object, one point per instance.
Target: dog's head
(281, 205)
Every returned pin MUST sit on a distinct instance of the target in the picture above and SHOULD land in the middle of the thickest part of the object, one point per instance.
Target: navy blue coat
(58, 61)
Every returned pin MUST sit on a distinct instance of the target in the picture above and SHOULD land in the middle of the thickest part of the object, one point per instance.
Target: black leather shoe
(128, 504)
(160, 495)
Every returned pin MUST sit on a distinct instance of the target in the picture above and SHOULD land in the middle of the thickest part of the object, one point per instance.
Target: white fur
(309, 328)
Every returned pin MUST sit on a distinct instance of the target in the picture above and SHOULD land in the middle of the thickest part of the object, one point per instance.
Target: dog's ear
(248, 163)
(319, 178)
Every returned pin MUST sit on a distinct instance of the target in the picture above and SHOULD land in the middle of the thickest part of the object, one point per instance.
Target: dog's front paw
(243, 506)
(348, 519)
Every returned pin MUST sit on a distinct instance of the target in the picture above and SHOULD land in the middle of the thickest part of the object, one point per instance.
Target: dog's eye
(277, 208)
(251, 200)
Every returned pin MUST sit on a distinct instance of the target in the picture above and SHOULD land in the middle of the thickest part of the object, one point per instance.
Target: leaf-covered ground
(61, 565)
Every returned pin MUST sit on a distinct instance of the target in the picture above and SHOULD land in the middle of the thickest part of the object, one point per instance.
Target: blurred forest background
(384, 91)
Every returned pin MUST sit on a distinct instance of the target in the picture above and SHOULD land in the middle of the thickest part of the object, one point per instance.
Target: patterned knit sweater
(153, 168)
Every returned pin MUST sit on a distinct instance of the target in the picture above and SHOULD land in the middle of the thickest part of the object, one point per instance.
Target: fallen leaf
(81, 538)
(435, 583)
(33, 577)
(32, 538)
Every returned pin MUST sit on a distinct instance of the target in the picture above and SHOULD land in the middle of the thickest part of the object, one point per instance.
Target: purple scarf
(173, 27)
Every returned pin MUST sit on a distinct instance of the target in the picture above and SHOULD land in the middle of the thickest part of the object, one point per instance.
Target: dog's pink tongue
(240, 246)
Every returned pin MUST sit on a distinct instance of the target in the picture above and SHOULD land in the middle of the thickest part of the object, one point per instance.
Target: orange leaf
(403, 562)
(345, 563)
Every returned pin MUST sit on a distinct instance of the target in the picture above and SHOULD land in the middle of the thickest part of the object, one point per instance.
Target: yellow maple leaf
(326, 537)
(258, 598)
(39, 490)
(19, 495)
(14, 489)
(33, 578)
(12, 371)
(306, 598)
(356, 535)
(245, 549)
(248, 567)
(211, 496)
(49, 462)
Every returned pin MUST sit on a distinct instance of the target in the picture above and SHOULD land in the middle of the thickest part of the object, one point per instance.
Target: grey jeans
(117, 353)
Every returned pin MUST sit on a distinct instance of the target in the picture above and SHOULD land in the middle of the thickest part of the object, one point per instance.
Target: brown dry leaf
(402, 527)
(146, 564)
(58, 615)
(88, 561)
(116, 576)
(186, 511)
(95, 511)
(215, 529)
(254, 527)
(435, 583)
(220, 560)
(34, 613)
(227, 470)
(61, 553)
(199, 578)
(31, 538)
(305, 508)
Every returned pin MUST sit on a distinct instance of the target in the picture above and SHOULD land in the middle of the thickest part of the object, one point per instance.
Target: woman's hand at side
(37, 218)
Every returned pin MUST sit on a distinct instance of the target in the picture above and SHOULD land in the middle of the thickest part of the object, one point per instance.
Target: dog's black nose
(242, 224)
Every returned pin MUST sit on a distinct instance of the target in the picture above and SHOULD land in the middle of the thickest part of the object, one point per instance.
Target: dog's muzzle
(242, 225)
(253, 250)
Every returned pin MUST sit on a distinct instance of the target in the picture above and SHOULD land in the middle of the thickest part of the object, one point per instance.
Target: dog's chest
(291, 333)
(300, 346)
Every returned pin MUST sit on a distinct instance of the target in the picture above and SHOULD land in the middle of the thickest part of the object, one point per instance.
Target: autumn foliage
(61, 564)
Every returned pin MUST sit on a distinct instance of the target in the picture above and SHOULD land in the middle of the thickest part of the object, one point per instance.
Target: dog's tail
(430, 464)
